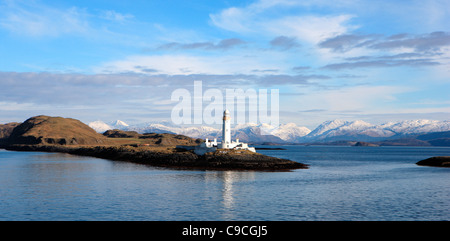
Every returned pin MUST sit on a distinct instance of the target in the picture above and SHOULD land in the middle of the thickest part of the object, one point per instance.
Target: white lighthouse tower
(212, 146)
(226, 130)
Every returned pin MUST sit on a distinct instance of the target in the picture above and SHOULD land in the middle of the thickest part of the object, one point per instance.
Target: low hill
(170, 139)
(116, 133)
(6, 129)
(132, 137)
(55, 130)
(429, 139)
(44, 130)
(436, 138)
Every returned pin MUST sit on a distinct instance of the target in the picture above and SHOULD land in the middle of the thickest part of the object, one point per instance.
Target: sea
(341, 184)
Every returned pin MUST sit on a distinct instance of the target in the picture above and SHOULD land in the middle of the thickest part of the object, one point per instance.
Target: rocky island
(58, 134)
(438, 161)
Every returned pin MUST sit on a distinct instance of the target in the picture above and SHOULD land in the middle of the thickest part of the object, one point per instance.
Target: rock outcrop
(438, 161)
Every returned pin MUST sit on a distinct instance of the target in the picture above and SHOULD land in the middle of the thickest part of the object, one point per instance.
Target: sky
(376, 61)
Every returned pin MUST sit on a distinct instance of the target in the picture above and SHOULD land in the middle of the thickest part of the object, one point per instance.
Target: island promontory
(67, 135)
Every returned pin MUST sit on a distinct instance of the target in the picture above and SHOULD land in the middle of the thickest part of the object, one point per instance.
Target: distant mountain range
(328, 131)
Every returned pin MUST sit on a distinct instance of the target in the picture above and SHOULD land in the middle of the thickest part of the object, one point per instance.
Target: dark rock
(438, 161)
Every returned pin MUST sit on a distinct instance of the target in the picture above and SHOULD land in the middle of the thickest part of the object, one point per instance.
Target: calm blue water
(343, 183)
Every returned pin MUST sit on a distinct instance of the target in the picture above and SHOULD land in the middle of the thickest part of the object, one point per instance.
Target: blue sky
(377, 61)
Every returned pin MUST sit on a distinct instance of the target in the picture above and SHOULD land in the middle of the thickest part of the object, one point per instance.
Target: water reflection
(363, 184)
(227, 195)
(64, 176)
(228, 180)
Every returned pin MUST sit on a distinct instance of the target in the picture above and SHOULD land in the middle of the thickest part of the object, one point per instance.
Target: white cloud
(115, 16)
(311, 29)
(363, 97)
(271, 19)
(164, 64)
(367, 99)
(14, 106)
(38, 20)
(232, 19)
(253, 18)
(231, 64)
(243, 19)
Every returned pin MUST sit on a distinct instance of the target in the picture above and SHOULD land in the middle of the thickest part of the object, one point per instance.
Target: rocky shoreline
(180, 159)
(438, 161)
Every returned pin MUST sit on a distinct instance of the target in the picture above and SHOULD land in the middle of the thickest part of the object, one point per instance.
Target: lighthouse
(226, 132)
(212, 146)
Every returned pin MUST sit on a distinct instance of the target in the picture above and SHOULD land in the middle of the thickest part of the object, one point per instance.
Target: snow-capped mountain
(119, 124)
(417, 126)
(363, 131)
(200, 132)
(291, 133)
(150, 128)
(100, 126)
(339, 129)
(194, 132)
(255, 133)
